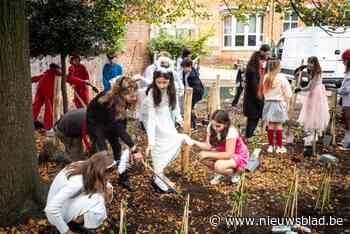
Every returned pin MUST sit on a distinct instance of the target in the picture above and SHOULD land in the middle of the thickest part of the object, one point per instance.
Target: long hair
(273, 67)
(254, 63)
(116, 96)
(222, 117)
(316, 71)
(253, 66)
(157, 94)
(93, 170)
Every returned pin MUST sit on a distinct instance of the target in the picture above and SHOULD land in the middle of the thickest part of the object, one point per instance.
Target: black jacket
(101, 117)
(196, 84)
(252, 104)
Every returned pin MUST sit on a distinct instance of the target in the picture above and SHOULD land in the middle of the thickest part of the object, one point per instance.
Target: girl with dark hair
(164, 142)
(106, 120)
(314, 114)
(277, 92)
(253, 103)
(80, 192)
(344, 92)
(224, 151)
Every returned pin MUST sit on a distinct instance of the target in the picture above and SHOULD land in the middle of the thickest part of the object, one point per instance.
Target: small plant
(324, 193)
(239, 199)
(185, 218)
(291, 208)
(123, 221)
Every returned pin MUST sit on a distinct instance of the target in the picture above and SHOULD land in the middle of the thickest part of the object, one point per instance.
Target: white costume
(66, 202)
(162, 135)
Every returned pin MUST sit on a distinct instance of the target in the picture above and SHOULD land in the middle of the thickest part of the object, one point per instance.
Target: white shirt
(66, 202)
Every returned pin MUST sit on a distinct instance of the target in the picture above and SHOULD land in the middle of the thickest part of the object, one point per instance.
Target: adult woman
(79, 193)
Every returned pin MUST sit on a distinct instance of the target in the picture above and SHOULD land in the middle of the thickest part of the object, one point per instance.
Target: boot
(125, 183)
(308, 151)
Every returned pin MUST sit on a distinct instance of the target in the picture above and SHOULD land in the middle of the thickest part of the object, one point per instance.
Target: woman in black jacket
(253, 103)
(106, 120)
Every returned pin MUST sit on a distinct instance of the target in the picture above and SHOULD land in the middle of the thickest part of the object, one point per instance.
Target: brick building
(233, 40)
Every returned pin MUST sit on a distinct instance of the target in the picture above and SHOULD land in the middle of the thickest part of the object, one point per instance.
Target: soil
(150, 212)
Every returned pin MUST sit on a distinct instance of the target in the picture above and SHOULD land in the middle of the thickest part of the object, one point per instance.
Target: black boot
(159, 190)
(308, 151)
(125, 183)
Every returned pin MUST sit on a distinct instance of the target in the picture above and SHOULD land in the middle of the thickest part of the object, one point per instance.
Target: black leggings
(252, 123)
(98, 136)
(239, 91)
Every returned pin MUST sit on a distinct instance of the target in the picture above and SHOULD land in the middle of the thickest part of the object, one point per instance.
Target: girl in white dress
(164, 142)
(80, 192)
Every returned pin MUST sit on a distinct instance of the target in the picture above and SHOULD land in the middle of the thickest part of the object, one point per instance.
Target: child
(344, 92)
(277, 92)
(224, 151)
(111, 70)
(190, 77)
(80, 192)
(164, 142)
(314, 114)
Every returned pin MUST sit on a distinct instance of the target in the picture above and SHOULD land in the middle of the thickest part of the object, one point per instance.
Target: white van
(300, 43)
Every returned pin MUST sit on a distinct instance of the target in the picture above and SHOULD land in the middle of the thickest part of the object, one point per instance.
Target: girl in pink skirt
(314, 114)
(224, 151)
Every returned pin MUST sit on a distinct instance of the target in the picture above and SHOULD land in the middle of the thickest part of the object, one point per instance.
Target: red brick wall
(137, 38)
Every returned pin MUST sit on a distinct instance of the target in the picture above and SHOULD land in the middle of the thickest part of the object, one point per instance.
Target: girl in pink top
(224, 151)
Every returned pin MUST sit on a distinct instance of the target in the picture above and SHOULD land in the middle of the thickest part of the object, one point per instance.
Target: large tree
(19, 183)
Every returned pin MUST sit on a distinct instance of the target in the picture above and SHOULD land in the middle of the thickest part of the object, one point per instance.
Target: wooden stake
(217, 92)
(121, 224)
(187, 127)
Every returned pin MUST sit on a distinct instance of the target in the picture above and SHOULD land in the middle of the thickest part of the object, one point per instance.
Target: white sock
(123, 163)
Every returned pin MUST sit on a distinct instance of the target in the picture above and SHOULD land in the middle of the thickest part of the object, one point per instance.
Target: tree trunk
(63, 83)
(18, 167)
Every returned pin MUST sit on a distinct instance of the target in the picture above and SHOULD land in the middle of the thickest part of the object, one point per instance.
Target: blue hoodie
(110, 71)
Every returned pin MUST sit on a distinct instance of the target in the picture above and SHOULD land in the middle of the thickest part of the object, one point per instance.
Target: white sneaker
(217, 179)
(281, 150)
(270, 149)
(235, 178)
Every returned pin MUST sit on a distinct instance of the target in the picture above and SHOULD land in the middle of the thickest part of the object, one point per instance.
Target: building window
(290, 21)
(239, 34)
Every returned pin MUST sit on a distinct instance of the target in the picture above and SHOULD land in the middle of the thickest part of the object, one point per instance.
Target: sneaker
(270, 149)
(217, 179)
(281, 150)
(235, 178)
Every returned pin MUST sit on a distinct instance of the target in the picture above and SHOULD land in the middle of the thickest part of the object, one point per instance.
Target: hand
(188, 140)
(181, 123)
(297, 90)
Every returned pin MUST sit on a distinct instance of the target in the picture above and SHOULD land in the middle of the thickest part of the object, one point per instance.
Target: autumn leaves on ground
(267, 187)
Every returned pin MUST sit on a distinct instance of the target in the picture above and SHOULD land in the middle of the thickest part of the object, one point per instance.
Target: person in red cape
(78, 77)
(45, 93)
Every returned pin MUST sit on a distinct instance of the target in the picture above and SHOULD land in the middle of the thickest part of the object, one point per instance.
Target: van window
(279, 49)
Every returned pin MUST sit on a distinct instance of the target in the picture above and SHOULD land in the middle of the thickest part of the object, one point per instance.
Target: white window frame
(289, 21)
(233, 47)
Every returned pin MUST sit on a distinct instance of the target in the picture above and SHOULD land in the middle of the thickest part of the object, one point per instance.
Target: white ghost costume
(66, 202)
(162, 135)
